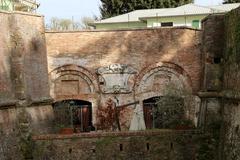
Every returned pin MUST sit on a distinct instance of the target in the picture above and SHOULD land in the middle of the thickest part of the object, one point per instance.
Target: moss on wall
(172, 146)
(232, 35)
(230, 126)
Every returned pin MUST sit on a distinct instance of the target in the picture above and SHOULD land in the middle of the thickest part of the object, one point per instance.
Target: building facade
(189, 15)
(19, 5)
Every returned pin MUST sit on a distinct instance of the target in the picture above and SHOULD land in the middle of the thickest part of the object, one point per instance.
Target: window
(4, 8)
(155, 24)
(195, 24)
(167, 24)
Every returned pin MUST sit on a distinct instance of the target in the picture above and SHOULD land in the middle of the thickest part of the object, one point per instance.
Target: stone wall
(220, 96)
(231, 85)
(126, 66)
(211, 85)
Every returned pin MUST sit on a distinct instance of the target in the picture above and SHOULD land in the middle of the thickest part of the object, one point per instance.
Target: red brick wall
(154, 145)
(137, 48)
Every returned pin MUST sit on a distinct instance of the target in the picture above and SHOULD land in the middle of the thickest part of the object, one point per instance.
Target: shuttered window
(195, 24)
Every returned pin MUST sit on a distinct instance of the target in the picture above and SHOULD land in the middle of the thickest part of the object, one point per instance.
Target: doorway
(148, 109)
(165, 112)
(76, 114)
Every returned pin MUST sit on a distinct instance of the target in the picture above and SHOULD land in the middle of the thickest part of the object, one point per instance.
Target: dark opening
(76, 114)
(148, 146)
(237, 129)
(217, 60)
(165, 112)
(167, 24)
(171, 145)
(148, 109)
(121, 147)
(70, 150)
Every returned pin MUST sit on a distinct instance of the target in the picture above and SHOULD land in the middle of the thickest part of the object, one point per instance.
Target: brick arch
(164, 67)
(74, 70)
(84, 74)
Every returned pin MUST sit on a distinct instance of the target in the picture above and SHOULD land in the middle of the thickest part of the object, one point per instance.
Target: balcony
(26, 5)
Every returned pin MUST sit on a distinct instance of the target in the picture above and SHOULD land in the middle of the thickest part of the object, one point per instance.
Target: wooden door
(82, 118)
(85, 118)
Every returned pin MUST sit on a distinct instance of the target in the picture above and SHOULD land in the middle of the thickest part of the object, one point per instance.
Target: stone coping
(127, 29)
(14, 103)
(21, 13)
(162, 132)
(225, 94)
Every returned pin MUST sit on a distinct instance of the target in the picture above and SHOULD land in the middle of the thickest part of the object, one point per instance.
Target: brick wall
(23, 69)
(154, 53)
(6, 88)
(154, 145)
(23, 58)
(24, 88)
(138, 48)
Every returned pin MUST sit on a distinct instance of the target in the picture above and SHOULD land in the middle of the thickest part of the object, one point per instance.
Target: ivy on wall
(170, 113)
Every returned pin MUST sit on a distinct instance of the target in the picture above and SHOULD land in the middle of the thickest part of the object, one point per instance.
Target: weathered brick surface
(137, 48)
(173, 52)
(212, 47)
(23, 81)
(231, 84)
(23, 57)
(154, 145)
(221, 40)
(6, 90)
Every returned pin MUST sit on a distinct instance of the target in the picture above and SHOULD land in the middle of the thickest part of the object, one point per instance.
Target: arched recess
(73, 82)
(158, 80)
(69, 75)
(151, 80)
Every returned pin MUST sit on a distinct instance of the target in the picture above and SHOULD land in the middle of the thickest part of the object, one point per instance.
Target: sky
(83, 8)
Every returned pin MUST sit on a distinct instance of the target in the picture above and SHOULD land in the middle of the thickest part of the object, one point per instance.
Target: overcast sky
(81, 8)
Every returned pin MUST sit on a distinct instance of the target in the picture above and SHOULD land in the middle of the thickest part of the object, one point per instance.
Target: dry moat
(136, 94)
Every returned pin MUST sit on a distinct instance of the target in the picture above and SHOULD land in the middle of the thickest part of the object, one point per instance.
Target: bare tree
(60, 24)
(85, 22)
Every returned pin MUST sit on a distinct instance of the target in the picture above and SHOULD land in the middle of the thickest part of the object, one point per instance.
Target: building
(19, 5)
(189, 15)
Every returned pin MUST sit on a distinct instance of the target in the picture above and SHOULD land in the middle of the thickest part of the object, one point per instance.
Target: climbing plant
(170, 109)
(107, 119)
(169, 112)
